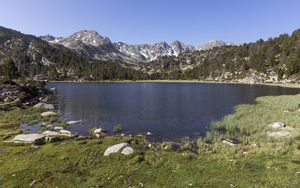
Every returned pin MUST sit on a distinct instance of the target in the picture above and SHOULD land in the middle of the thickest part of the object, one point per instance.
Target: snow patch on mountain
(92, 44)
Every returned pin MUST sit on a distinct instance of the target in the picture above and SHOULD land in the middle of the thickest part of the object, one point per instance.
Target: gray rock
(73, 122)
(65, 132)
(50, 133)
(99, 130)
(58, 128)
(44, 106)
(48, 113)
(277, 125)
(127, 150)
(115, 149)
(29, 138)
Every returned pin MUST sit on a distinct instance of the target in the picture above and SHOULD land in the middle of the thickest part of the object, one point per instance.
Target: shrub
(118, 128)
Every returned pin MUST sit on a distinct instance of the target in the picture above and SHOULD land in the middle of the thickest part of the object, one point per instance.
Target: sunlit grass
(258, 161)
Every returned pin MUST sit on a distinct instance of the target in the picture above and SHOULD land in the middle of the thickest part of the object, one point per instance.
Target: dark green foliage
(9, 70)
(281, 55)
(118, 128)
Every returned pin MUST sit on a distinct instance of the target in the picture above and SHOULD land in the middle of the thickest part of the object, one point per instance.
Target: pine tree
(9, 70)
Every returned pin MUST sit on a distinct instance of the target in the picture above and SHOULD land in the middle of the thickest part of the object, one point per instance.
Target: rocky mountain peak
(88, 37)
(92, 44)
(211, 44)
(47, 38)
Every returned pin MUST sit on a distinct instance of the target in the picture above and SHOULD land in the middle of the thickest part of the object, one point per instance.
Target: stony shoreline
(287, 85)
(244, 148)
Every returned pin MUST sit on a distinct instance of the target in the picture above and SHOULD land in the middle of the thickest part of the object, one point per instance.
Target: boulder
(44, 106)
(99, 133)
(29, 138)
(127, 150)
(73, 122)
(277, 125)
(279, 134)
(58, 128)
(50, 133)
(48, 113)
(99, 130)
(65, 132)
(52, 89)
(115, 148)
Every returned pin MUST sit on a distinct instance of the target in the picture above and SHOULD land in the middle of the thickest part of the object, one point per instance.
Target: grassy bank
(258, 161)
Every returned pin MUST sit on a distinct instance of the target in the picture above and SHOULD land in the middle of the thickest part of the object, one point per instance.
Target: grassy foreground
(259, 161)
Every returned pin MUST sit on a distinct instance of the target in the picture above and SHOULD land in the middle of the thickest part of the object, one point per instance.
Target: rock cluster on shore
(123, 147)
(22, 93)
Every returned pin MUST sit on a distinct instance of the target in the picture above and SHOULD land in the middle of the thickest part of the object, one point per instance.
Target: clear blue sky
(149, 21)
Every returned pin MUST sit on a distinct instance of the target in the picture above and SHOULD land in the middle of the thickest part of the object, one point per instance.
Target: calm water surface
(168, 110)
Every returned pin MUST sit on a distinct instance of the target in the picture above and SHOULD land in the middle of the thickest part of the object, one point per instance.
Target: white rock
(52, 89)
(65, 132)
(50, 133)
(58, 128)
(276, 125)
(48, 113)
(73, 122)
(115, 149)
(99, 130)
(149, 133)
(127, 150)
(279, 134)
(29, 138)
(44, 106)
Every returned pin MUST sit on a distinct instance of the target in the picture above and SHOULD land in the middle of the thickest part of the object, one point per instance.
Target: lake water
(168, 110)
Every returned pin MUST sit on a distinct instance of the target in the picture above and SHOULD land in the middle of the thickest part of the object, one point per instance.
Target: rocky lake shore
(258, 145)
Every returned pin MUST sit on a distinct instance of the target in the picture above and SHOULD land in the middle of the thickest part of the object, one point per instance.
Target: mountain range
(86, 55)
(93, 45)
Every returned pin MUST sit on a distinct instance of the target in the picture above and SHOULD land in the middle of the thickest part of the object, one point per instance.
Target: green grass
(80, 162)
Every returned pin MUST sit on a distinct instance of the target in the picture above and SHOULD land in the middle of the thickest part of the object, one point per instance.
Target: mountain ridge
(274, 60)
(92, 44)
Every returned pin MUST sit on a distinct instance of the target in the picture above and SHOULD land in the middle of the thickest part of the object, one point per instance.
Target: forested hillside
(274, 60)
(37, 58)
(277, 56)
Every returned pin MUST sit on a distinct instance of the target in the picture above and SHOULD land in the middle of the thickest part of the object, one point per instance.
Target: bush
(118, 128)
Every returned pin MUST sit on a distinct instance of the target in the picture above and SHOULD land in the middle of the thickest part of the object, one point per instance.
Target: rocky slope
(21, 93)
(276, 60)
(93, 45)
(36, 58)
(81, 57)
(147, 52)
(211, 44)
